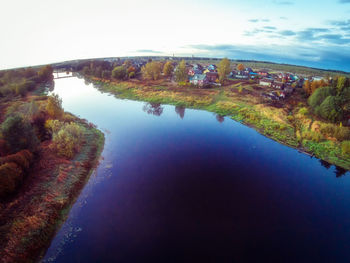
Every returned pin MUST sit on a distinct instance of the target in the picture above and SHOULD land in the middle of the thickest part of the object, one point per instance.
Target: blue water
(182, 185)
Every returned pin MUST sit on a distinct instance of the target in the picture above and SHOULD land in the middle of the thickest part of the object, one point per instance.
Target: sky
(313, 33)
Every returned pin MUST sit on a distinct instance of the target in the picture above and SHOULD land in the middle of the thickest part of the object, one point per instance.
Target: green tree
(67, 139)
(29, 73)
(127, 63)
(119, 73)
(54, 106)
(21, 89)
(224, 69)
(152, 70)
(19, 134)
(181, 72)
(132, 75)
(345, 147)
(45, 73)
(168, 69)
(341, 84)
(330, 109)
(319, 96)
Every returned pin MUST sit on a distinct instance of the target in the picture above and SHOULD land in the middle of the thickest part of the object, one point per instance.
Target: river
(184, 185)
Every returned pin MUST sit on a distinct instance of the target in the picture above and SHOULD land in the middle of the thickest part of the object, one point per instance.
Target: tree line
(329, 100)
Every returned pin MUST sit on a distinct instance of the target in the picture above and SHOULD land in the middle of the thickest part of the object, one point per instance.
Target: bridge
(57, 76)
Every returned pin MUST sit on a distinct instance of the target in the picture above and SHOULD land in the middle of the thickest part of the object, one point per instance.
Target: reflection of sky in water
(167, 182)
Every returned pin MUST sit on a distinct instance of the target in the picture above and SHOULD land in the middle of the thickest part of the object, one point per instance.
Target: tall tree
(45, 73)
(341, 84)
(224, 69)
(168, 69)
(307, 87)
(19, 134)
(119, 72)
(181, 72)
(54, 106)
(152, 70)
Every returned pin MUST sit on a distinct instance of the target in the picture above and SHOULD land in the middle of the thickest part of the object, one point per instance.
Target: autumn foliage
(240, 67)
(12, 168)
(54, 107)
(311, 86)
(152, 70)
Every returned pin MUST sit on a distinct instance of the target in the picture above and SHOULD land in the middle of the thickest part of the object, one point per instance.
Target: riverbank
(286, 124)
(31, 216)
(44, 201)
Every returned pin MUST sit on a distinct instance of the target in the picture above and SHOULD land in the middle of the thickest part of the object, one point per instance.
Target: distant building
(194, 71)
(253, 75)
(263, 72)
(242, 76)
(212, 67)
(248, 70)
(199, 79)
(277, 85)
(266, 82)
(317, 78)
(212, 76)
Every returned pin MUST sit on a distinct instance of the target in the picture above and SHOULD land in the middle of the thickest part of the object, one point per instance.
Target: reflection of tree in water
(340, 171)
(325, 164)
(153, 108)
(180, 111)
(220, 118)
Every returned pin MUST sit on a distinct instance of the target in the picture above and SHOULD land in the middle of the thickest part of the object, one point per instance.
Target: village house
(212, 68)
(233, 74)
(263, 72)
(253, 75)
(242, 76)
(317, 78)
(194, 71)
(198, 79)
(248, 71)
(277, 85)
(212, 76)
(197, 67)
(266, 82)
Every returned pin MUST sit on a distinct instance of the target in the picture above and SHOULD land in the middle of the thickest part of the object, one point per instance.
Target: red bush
(11, 175)
(22, 158)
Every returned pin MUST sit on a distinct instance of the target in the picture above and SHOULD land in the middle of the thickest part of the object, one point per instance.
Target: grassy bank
(31, 219)
(284, 124)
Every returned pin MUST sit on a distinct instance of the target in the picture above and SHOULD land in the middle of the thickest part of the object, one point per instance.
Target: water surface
(182, 185)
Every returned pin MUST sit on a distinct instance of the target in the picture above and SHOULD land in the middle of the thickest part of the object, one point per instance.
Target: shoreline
(38, 211)
(241, 111)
